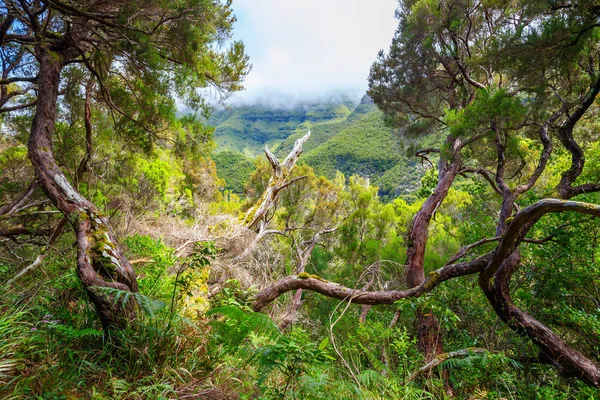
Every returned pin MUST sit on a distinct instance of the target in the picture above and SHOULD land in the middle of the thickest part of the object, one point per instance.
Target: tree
(256, 217)
(140, 56)
(312, 210)
(500, 76)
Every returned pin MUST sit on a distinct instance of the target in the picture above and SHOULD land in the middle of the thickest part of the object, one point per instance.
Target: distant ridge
(346, 136)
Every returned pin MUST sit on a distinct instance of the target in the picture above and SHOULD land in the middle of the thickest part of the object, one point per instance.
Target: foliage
(189, 286)
(175, 200)
(234, 168)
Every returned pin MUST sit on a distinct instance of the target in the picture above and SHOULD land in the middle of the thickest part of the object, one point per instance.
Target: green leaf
(324, 343)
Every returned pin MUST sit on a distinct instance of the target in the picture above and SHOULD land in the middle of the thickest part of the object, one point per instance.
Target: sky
(304, 50)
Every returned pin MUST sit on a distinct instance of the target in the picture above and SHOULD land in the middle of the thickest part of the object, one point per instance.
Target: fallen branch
(56, 232)
(8, 209)
(261, 234)
(21, 230)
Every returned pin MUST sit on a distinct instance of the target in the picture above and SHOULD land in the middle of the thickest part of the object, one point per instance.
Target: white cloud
(308, 48)
(278, 59)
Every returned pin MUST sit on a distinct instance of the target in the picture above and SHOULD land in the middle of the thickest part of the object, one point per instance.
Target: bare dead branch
(10, 208)
(279, 180)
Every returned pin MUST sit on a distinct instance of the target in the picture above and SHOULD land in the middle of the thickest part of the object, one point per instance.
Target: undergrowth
(52, 346)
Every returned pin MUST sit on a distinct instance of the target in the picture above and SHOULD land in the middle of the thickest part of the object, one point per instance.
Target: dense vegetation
(130, 270)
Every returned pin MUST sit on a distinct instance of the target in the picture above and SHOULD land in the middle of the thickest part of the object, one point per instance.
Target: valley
(346, 136)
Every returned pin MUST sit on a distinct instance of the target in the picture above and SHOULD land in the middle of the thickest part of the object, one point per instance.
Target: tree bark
(494, 280)
(336, 291)
(565, 133)
(290, 315)
(100, 262)
(568, 361)
(429, 340)
(364, 311)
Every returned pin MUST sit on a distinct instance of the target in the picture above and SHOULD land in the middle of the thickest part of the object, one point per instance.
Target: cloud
(305, 49)
(279, 59)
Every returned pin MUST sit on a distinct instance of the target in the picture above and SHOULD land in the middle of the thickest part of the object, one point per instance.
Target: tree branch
(10, 208)
(343, 293)
(18, 107)
(565, 134)
(487, 175)
(547, 143)
(522, 223)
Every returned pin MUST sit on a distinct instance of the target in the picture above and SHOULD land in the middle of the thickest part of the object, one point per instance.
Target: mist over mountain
(287, 100)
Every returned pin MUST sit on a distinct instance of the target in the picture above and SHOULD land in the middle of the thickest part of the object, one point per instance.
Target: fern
(466, 362)
(368, 377)
(481, 360)
(76, 333)
(235, 325)
(147, 305)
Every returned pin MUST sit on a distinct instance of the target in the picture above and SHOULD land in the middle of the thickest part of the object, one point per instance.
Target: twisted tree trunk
(429, 339)
(567, 361)
(494, 280)
(100, 262)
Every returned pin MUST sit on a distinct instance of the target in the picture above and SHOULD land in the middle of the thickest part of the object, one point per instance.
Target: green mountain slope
(353, 142)
(323, 131)
(235, 168)
(365, 146)
(249, 129)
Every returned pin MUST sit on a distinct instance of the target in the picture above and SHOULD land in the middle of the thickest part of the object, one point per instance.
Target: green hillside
(368, 148)
(323, 131)
(351, 141)
(248, 129)
(235, 168)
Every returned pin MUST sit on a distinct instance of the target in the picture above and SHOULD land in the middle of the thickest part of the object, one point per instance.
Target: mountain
(248, 129)
(346, 137)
